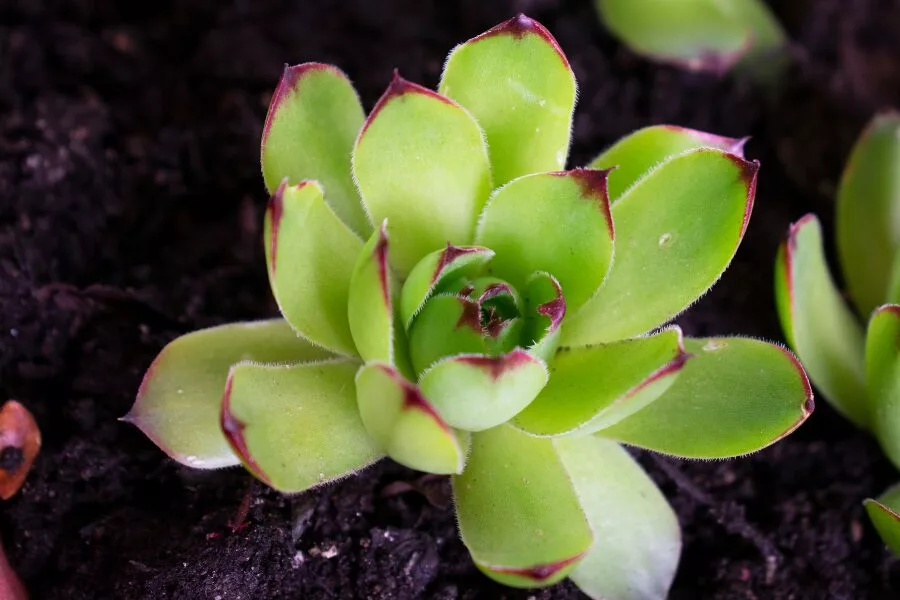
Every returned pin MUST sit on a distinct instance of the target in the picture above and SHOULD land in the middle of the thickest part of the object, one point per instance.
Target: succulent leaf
(667, 259)
(370, 305)
(885, 516)
(635, 155)
(597, 386)
(883, 377)
(313, 120)
(476, 392)
(517, 83)
(178, 403)
(405, 424)
(446, 326)
(868, 205)
(554, 222)
(519, 513)
(818, 324)
(436, 270)
(421, 163)
(698, 35)
(296, 426)
(545, 310)
(310, 254)
(637, 540)
(735, 396)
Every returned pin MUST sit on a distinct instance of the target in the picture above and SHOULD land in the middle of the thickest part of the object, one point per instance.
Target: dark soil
(130, 211)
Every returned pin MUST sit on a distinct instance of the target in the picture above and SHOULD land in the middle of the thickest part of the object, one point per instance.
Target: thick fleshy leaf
(883, 377)
(296, 426)
(699, 35)
(178, 403)
(554, 222)
(637, 154)
(545, 309)
(517, 83)
(438, 268)
(735, 396)
(405, 424)
(370, 305)
(817, 322)
(868, 204)
(519, 514)
(597, 386)
(677, 230)
(311, 255)
(476, 392)
(446, 326)
(314, 118)
(637, 540)
(885, 515)
(421, 163)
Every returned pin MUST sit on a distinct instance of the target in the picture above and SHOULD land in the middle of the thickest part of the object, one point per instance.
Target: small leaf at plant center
(446, 326)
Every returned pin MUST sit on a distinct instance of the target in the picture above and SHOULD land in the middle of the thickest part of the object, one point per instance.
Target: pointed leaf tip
(399, 86)
(290, 80)
(749, 171)
(594, 184)
(520, 26)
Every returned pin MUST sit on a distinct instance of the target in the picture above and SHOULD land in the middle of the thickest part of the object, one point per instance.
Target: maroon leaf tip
(233, 429)
(496, 366)
(728, 144)
(396, 88)
(594, 184)
(893, 309)
(290, 80)
(539, 573)
(790, 246)
(555, 309)
(520, 26)
(670, 368)
(381, 256)
(413, 399)
(471, 314)
(748, 174)
(450, 254)
(494, 290)
(810, 404)
(276, 211)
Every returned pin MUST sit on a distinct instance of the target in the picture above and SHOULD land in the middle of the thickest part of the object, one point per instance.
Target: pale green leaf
(885, 515)
(735, 396)
(519, 514)
(370, 306)
(597, 386)
(699, 35)
(421, 163)
(179, 401)
(545, 310)
(637, 540)
(405, 424)
(476, 392)
(883, 377)
(518, 84)
(559, 223)
(677, 230)
(296, 426)
(817, 322)
(868, 212)
(310, 254)
(436, 269)
(313, 120)
(638, 153)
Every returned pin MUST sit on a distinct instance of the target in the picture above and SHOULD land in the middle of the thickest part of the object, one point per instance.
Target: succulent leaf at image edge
(850, 346)
(456, 299)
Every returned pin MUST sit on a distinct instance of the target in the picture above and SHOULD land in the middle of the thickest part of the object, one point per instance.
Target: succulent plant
(699, 35)
(856, 370)
(452, 298)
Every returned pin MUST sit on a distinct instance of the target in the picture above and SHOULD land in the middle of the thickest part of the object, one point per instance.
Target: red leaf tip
(413, 399)
(748, 171)
(396, 88)
(233, 429)
(496, 366)
(450, 254)
(594, 184)
(518, 27)
(555, 309)
(539, 573)
(290, 80)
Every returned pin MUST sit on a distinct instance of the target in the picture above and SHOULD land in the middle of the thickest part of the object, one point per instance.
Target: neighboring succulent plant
(858, 372)
(485, 329)
(699, 35)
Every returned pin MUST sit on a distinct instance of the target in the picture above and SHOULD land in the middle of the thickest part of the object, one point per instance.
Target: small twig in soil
(729, 515)
(239, 522)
